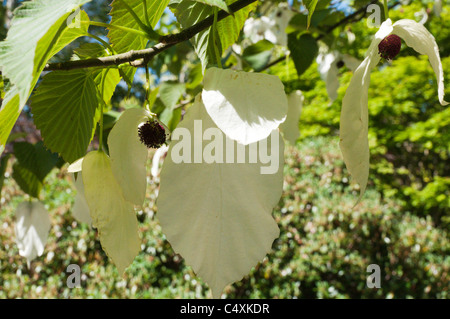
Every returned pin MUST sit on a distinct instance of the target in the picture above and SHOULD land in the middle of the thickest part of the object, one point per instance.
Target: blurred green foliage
(323, 251)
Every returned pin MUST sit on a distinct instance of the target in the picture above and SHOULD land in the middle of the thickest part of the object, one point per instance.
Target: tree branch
(349, 18)
(141, 57)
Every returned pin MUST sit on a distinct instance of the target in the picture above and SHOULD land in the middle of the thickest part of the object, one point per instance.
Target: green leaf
(195, 77)
(170, 118)
(170, 93)
(228, 207)
(9, 113)
(106, 79)
(3, 166)
(39, 30)
(303, 49)
(311, 6)
(90, 50)
(36, 158)
(34, 162)
(152, 97)
(2, 88)
(230, 27)
(217, 3)
(258, 55)
(189, 12)
(64, 110)
(27, 180)
(123, 41)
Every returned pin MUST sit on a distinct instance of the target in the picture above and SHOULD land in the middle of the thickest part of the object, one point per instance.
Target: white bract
(290, 126)
(259, 29)
(111, 213)
(160, 152)
(80, 208)
(129, 155)
(271, 28)
(31, 229)
(218, 216)
(328, 65)
(246, 106)
(354, 114)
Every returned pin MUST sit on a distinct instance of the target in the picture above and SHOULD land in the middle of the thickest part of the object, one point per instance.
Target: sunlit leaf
(311, 6)
(189, 12)
(217, 3)
(38, 31)
(123, 41)
(64, 110)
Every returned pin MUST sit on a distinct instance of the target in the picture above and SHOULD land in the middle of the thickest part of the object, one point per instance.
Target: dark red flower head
(390, 46)
(152, 134)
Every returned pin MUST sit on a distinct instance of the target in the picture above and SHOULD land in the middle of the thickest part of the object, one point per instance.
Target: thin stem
(147, 90)
(146, 12)
(214, 31)
(103, 42)
(100, 138)
(137, 58)
(117, 27)
(151, 34)
(386, 10)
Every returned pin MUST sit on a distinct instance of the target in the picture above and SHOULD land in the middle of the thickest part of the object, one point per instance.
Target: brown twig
(138, 58)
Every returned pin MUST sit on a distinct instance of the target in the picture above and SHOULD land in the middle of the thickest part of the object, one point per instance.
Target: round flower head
(152, 134)
(390, 46)
(354, 115)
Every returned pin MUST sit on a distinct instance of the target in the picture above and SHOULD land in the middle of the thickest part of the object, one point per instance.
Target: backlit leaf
(64, 110)
(38, 31)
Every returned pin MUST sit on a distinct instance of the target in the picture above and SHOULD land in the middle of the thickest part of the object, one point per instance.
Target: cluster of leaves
(408, 129)
(323, 250)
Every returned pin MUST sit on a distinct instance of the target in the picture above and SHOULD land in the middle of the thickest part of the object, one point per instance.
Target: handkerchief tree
(219, 115)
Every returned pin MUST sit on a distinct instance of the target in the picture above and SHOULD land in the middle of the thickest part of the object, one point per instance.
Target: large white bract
(246, 106)
(354, 128)
(329, 70)
(31, 229)
(129, 155)
(290, 126)
(218, 216)
(112, 215)
(80, 209)
(271, 28)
